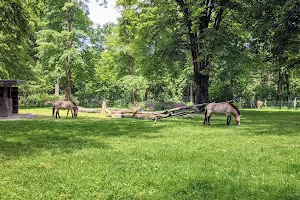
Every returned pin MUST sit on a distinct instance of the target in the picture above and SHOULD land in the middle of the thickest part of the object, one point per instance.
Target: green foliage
(128, 83)
(15, 30)
(275, 34)
(37, 100)
(62, 45)
(149, 50)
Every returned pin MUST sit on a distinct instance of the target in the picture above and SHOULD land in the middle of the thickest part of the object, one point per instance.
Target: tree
(198, 17)
(15, 32)
(275, 28)
(180, 26)
(65, 39)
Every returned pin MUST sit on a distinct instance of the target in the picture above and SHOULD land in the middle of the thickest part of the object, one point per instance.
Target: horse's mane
(237, 110)
(74, 104)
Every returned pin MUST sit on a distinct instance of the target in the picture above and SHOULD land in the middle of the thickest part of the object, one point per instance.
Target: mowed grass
(94, 157)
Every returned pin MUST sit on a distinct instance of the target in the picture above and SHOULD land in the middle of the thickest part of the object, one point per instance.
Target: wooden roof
(11, 82)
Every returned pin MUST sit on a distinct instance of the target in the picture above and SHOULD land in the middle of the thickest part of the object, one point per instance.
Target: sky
(101, 15)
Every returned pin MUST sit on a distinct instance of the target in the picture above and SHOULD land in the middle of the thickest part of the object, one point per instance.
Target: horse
(259, 104)
(65, 105)
(222, 108)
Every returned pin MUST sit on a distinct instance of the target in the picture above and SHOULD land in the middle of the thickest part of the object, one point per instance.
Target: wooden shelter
(9, 97)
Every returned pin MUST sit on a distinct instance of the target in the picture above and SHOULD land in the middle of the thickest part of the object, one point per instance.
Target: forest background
(157, 52)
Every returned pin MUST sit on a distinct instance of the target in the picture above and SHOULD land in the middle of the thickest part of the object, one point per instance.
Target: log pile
(140, 114)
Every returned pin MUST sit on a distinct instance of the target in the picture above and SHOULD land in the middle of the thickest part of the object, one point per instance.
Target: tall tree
(198, 17)
(189, 26)
(65, 39)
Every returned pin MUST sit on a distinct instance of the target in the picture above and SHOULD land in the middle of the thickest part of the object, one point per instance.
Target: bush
(37, 100)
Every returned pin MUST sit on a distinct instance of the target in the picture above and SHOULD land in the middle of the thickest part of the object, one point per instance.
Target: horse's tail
(205, 111)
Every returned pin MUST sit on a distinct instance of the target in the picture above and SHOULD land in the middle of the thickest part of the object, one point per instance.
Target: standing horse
(222, 108)
(65, 105)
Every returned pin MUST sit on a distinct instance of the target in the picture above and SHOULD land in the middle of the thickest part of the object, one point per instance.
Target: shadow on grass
(254, 122)
(272, 122)
(214, 188)
(27, 137)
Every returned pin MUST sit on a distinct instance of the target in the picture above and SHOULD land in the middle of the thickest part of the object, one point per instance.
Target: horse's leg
(228, 119)
(57, 113)
(72, 113)
(68, 113)
(205, 117)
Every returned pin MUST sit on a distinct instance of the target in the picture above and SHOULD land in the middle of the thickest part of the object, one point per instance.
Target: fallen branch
(141, 114)
(88, 110)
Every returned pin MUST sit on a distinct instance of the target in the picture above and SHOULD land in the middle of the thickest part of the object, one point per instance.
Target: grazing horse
(222, 108)
(259, 104)
(65, 105)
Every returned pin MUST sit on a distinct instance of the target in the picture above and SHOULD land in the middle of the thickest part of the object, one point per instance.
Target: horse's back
(219, 108)
(63, 104)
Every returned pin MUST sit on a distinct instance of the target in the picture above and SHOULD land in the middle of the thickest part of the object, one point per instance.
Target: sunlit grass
(94, 157)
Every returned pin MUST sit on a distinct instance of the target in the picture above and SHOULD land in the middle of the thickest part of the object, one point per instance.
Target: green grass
(94, 157)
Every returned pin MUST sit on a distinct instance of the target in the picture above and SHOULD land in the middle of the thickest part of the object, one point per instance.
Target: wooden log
(120, 111)
(88, 110)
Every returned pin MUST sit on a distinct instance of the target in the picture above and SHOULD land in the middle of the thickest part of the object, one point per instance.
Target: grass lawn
(94, 157)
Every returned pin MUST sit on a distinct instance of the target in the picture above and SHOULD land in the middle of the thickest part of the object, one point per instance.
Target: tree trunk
(132, 74)
(191, 92)
(280, 85)
(69, 78)
(68, 61)
(201, 81)
(287, 83)
(146, 94)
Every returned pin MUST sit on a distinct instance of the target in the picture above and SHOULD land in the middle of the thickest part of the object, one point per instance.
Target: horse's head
(238, 119)
(75, 112)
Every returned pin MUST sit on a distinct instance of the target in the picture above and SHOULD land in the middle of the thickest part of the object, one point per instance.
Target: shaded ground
(19, 116)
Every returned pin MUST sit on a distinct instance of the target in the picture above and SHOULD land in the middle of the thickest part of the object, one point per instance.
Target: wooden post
(9, 92)
(5, 91)
(104, 106)
(57, 88)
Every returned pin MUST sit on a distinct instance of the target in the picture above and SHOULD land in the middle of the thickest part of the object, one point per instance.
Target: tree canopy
(207, 50)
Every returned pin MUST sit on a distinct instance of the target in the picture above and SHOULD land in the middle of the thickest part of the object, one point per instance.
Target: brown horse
(65, 105)
(222, 108)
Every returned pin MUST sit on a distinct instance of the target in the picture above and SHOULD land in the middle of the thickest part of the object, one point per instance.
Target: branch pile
(139, 114)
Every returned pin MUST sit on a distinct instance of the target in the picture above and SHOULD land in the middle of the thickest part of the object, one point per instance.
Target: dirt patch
(18, 117)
